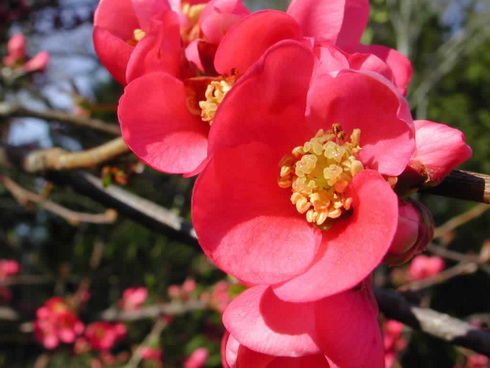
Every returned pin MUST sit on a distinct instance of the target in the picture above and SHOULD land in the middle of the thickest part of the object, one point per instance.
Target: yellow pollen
(193, 12)
(215, 92)
(319, 173)
(138, 34)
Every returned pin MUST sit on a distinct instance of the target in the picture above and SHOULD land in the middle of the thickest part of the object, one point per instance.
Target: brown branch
(25, 197)
(434, 323)
(465, 185)
(59, 159)
(459, 220)
(10, 110)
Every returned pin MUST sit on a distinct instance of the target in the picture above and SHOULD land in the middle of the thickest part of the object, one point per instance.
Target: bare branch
(10, 110)
(462, 219)
(25, 197)
(434, 323)
(465, 185)
(59, 159)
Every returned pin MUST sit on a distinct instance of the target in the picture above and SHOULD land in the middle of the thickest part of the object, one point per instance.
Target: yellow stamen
(319, 173)
(214, 94)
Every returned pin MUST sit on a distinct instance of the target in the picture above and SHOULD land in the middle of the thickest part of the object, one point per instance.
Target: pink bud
(37, 63)
(415, 231)
(423, 267)
(17, 47)
(439, 150)
(197, 359)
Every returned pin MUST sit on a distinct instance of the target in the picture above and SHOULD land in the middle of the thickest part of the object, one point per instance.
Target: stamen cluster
(319, 173)
(215, 92)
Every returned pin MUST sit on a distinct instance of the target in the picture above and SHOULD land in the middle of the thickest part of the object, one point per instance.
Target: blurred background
(90, 262)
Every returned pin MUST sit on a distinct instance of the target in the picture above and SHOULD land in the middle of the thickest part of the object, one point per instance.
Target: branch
(465, 185)
(24, 197)
(434, 323)
(10, 110)
(59, 159)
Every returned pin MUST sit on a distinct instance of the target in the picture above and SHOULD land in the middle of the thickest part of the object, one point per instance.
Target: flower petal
(159, 50)
(262, 322)
(354, 246)
(340, 22)
(117, 17)
(348, 331)
(158, 127)
(113, 52)
(245, 222)
(268, 103)
(251, 37)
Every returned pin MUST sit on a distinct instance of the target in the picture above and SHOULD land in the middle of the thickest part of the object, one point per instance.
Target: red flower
(165, 110)
(133, 298)
(56, 323)
(423, 267)
(103, 335)
(337, 232)
(338, 331)
(157, 31)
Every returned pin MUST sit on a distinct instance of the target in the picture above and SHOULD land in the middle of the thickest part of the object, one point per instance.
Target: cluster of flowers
(305, 149)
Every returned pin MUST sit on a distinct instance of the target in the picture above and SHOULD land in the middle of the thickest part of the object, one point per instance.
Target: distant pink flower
(440, 149)
(38, 63)
(423, 267)
(133, 298)
(414, 232)
(393, 341)
(341, 330)
(182, 292)
(258, 214)
(56, 323)
(197, 359)
(218, 298)
(17, 57)
(103, 335)
(8, 267)
(152, 353)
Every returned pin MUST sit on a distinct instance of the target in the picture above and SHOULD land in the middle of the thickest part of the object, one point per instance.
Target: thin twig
(154, 334)
(11, 110)
(459, 220)
(24, 197)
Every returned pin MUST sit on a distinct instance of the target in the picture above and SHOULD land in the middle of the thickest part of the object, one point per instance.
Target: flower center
(191, 30)
(138, 35)
(215, 92)
(319, 173)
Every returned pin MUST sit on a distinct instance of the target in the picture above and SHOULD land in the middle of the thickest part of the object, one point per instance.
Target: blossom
(17, 57)
(439, 150)
(165, 115)
(103, 335)
(393, 341)
(55, 323)
(263, 224)
(156, 30)
(423, 266)
(414, 232)
(8, 267)
(197, 359)
(337, 331)
(133, 298)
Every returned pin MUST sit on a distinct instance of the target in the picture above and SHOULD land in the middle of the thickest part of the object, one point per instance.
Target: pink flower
(423, 267)
(259, 210)
(56, 323)
(165, 115)
(338, 331)
(152, 353)
(8, 267)
(17, 58)
(440, 149)
(197, 359)
(218, 298)
(393, 341)
(103, 335)
(414, 232)
(133, 298)
(156, 30)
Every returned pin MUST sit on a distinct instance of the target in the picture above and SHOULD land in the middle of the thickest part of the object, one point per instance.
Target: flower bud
(415, 231)
(17, 47)
(423, 267)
